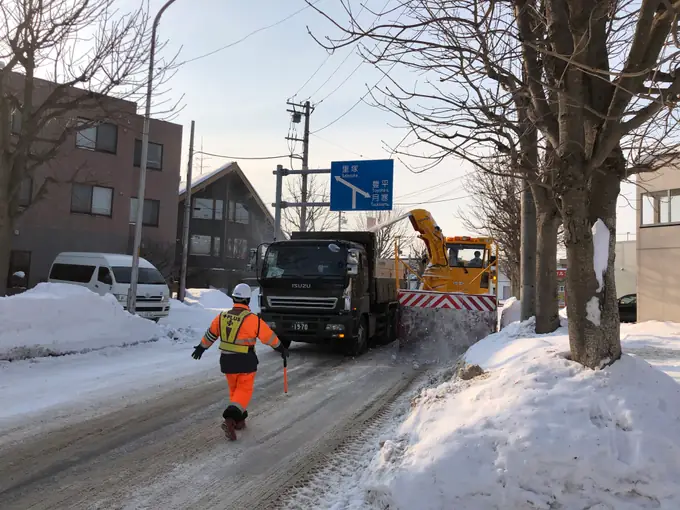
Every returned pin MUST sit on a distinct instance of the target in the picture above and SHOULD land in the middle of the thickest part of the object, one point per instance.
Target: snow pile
(208, 298)
(56, 318)
(536, 431)
(511, 312)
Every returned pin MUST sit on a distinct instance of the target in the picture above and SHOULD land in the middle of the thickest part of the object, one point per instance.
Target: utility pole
(297, 117)
(528, 254)
(187, 220)
(339, 221)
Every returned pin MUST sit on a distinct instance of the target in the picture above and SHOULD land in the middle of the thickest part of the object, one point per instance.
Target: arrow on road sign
(354, 189)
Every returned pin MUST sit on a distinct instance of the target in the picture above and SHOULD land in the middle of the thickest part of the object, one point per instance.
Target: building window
(19, 268)
(150, 215)
(16, 121)
(661, 207)
(200, 245)
(237, 248)
(154, 157)
(100, 137)
(91, 199)
(238, 213)
(217, 246)
(25, 192)
(207, 209)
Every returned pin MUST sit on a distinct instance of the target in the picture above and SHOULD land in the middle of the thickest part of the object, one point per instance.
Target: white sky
(237, 98)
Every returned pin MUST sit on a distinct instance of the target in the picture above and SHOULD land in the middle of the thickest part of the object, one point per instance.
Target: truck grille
(306, 303)
(151, 299)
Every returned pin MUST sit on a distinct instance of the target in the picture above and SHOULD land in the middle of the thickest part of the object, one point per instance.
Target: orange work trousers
(241, 388)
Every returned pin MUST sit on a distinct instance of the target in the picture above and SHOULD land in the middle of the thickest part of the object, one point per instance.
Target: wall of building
(626, 268)
(48, 226)
(658, 253)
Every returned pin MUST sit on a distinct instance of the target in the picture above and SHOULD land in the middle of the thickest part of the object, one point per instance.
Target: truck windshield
(298, 261)
(147, 275)
(467, 255)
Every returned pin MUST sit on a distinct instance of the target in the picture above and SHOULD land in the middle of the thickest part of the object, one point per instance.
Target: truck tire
(390, 333)
(359, 342)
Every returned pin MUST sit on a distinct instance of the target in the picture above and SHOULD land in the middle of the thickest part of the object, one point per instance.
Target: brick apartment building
(92, 205)
(228, 218)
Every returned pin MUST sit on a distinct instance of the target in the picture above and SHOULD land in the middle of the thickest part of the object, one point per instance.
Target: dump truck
(321, 287)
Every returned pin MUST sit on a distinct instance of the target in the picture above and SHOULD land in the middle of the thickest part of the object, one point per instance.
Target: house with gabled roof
(228, 218)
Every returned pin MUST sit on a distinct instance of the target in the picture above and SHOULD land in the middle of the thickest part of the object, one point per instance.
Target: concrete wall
(626, 268)
(658, 255)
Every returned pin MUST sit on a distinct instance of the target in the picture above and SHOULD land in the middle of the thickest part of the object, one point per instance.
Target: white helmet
(241, 291)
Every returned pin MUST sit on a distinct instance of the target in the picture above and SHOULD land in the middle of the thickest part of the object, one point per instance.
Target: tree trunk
(592, 309)
(515, 279)
(528, 255)
(547, 306)
(5, 241)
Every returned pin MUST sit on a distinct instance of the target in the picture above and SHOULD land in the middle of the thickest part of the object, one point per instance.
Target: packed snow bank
(511, 312)
(208, 298)
(56, 318)
(536, 431)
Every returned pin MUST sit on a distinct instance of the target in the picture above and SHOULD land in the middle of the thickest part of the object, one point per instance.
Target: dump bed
(385, 290)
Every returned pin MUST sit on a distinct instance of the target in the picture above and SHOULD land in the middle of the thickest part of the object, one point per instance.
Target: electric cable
(249, 35)
(234, 158)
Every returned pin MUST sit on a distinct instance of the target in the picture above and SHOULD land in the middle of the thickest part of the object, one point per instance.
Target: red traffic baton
(285, 375)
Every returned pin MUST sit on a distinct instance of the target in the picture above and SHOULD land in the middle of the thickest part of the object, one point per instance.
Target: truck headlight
(335, 327)
(165, 299)
(122, 298)
(271, 324)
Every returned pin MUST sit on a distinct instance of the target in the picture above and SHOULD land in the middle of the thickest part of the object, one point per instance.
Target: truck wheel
(359, 343)
(390, 333)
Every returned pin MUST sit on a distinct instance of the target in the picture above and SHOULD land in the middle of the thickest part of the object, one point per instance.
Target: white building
(626, 268)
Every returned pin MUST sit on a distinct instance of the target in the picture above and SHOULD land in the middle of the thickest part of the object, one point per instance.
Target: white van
(109, 273)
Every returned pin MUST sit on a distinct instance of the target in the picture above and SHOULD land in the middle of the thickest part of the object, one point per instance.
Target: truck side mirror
(492, 259)
(352, 262)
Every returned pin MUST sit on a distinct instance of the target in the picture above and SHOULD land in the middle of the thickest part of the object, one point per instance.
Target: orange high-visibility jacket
(252, 329)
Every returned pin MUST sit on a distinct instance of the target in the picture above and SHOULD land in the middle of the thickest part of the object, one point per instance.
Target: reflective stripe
(209, 336)
(230, 324)
(271, 340)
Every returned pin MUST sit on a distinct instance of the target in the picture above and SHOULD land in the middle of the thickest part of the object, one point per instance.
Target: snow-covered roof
(206, 179)
(198, 180)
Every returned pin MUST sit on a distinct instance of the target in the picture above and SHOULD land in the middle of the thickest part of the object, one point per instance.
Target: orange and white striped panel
(452, 300)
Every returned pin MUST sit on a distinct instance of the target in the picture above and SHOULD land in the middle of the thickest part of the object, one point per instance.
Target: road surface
(170, 453)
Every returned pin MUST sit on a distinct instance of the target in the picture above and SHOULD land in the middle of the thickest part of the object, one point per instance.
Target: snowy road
(170, 453)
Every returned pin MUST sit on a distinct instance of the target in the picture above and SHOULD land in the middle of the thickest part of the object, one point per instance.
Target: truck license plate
(300, 326)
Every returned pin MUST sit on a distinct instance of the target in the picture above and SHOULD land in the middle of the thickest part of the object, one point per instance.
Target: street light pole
(134, 277)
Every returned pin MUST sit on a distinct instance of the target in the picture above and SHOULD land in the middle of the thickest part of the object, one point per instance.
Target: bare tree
(63, 62)
(386, 236)
(584, 78)
(496, 212)
(319, 219)
(161, 255)
(472, 104)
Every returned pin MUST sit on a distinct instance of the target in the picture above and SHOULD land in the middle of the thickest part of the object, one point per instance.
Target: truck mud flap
(456, 320)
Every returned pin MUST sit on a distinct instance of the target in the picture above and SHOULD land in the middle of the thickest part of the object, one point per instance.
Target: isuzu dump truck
(321, 287)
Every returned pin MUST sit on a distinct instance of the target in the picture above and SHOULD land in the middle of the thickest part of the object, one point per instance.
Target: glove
(198, 351)
(283, 350)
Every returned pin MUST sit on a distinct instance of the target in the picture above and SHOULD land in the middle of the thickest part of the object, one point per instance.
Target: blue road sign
(362, 185)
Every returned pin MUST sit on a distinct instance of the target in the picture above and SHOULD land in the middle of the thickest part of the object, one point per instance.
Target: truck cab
(321, 288)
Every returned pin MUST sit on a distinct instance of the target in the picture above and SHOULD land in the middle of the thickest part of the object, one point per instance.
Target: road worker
(238, 330)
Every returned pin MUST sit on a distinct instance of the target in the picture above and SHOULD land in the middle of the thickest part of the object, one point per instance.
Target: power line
(338, 145)
(434, 201)
(313, 74)
(349, 54)
(234, 158)
(430, 188)
(385, 74)
(249, 35)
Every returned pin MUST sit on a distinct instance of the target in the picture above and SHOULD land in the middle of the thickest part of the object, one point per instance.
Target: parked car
(628, 308)
(108, 273)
